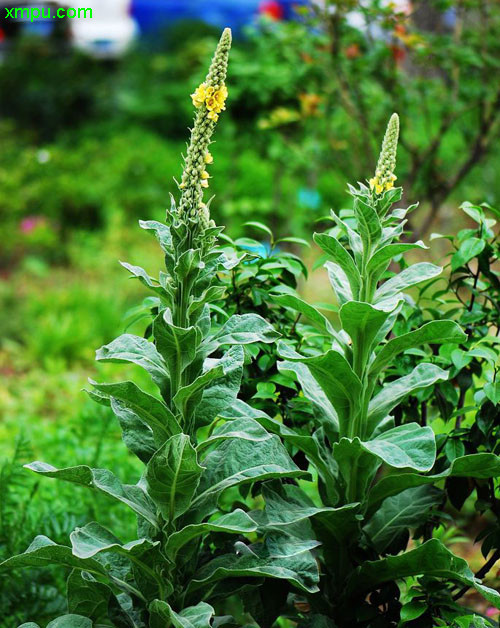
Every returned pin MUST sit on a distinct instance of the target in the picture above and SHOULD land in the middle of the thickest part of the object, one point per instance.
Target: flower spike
(384, 175)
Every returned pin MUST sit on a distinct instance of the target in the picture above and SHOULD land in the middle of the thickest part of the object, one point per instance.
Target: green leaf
(340, 283)
(102, 480)
(190, 396)
(340, 256)
(137, 435)
(244, 428)
(43, 551)
(381, 257)
(255, 561)
(237, 461)
(369, 225)
(93, 538)
(469, 249)
(294, 240)
(362, 322)
(408, 509)
(435, 332)
(236, 522)
(161, 231)
(173, 474)
(70, 621)
(406, 446)
(390, 291)
(430, 559)
(260, 226)
(199, 616)
(147, 408)
(144, 278)
(412, 610)
(177, 345)
(245, 329)
(482, 466)
(394, 392)
(86, 595)
(315, 316)
(136, 350)
(336, 378)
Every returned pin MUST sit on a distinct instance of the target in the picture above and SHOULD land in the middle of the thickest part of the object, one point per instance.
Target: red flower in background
(272, 9)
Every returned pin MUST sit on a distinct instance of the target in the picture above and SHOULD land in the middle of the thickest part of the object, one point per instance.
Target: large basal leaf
(137, 350)
(434, 332)
(332, 247)
(236, 522)
(43, 552)
(244, 329)
(199, 616)
(430, 559)
(102, 480)
(409, 509)
(336, 378)
(394, 392)
(406, 446)
(408, 277)
(482, 466)
(93, 539)
(149, 409)
(236, 461)
(255, 562)
(172, 475)
(228, 367)
(87, 596)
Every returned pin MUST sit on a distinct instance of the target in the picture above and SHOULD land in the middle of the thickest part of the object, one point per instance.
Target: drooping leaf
(482, 465)
(199, 616)
(43, 551)
(236, 522)
(102, 480)
(340, 256)
(244, 329)
(434, 332)
(136, 350)
(144, 278)
(93, 538)
(408, 509)
(161, 231)
(172, 475)
(87, 595)
(149, 409)
(406, 446)
(137, 435)
(394, 392)
(430, 559)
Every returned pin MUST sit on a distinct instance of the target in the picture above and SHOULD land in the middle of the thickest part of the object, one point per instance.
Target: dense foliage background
(88, 148)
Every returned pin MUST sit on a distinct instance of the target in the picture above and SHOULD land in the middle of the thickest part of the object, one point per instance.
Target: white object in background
(108, 33)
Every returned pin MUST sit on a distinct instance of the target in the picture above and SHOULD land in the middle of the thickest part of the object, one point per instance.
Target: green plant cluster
(317, 502)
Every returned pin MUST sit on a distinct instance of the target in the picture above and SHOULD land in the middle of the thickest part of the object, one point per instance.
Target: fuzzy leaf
(86, 595)
(369, 225)
(435, 332)
(409, 509)
(92, 539)
(430, 559)
(136, 350)
(173, 474)
(408, 277)
(177, 345)
(137, 435)
(70, 621)
(394, 392)
(245, 329)
(381, 257)
(199, 616)
(315, 316)
(161, 231)
(149, 409)
(236, 522)
(102, 480)
(340, 256)
(340, 283)
(362, 322)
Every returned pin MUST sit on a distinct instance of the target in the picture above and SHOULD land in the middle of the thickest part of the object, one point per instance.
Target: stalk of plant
(186, 555)
(376, 479)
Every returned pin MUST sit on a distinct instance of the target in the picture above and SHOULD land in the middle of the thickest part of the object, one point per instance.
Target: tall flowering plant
(192, 500)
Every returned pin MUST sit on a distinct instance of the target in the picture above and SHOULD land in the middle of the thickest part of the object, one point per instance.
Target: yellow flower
(205, 175)
(379, 189)
(209, 92)
(373, 182)
(204, 183)
(220, 95)
(209, 158)
(213, 116)
(199, 95)
(389, 185)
